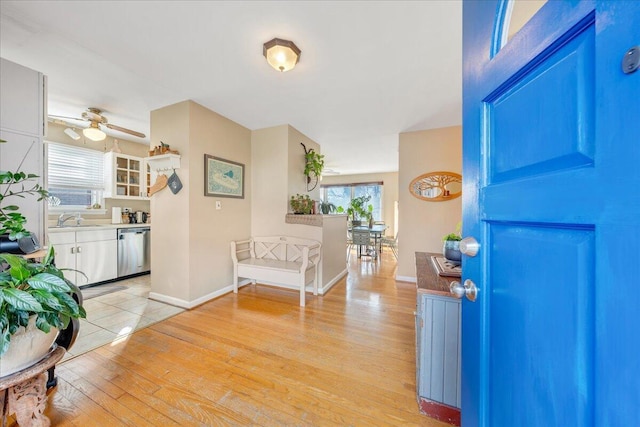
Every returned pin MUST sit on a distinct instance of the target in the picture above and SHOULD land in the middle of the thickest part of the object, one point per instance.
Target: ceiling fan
(96, 120)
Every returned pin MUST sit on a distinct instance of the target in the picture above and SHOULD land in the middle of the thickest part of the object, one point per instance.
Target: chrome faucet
(62, 219)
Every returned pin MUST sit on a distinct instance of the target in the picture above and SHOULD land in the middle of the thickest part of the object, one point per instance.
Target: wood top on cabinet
(428, 278)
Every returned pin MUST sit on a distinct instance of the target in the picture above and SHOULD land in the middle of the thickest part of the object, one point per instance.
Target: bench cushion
(272, 264)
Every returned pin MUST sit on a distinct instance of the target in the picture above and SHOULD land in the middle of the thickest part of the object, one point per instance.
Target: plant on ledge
(301, 204)
(327, 207)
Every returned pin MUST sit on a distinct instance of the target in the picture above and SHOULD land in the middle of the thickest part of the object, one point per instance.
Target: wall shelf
(163, 162)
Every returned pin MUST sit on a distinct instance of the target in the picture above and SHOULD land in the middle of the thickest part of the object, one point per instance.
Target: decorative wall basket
(437, 186)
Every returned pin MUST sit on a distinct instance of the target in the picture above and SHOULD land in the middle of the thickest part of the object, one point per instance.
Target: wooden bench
(288, 262)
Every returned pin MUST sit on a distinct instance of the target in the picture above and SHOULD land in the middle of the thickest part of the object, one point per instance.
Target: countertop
(93, 227)
(428, 279)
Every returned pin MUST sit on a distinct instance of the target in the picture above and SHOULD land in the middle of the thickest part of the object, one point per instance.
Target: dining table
(376, 231)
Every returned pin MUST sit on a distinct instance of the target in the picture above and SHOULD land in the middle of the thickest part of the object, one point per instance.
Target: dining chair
(391, 243)
(363, 238)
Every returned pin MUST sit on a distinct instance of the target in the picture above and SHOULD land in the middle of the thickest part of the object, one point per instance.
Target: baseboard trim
(178, 302)
(406, 279)
(322, 290)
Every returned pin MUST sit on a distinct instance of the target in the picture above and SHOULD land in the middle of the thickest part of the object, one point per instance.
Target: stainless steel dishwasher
(134, 251)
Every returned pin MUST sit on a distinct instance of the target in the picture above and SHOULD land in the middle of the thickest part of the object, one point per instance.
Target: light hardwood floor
(258, 358)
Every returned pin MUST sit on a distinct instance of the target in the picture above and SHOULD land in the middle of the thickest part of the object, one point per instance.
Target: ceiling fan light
(94, 134)
(281, 54)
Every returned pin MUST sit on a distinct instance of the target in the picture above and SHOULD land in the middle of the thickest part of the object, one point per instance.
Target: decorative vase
(371, 222)
(451, 251)
(28, 346)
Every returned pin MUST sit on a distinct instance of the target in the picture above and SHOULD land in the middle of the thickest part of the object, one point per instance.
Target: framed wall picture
(437, 186)
(223, 178)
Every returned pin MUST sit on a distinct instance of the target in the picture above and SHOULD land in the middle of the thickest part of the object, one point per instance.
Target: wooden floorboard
(258, 358)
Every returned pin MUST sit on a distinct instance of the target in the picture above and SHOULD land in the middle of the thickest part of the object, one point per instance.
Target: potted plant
(359, 210)
(326, 207)
(451, 246)
(36, 301)
(301, 204)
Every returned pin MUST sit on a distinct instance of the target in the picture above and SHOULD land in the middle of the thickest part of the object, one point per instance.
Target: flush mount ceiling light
(281, 54)
(93, 133)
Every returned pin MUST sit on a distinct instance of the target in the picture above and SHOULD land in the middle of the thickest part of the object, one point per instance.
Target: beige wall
(170, 265)
(56, 134)
(389, 192)
(278, 166)
(422, 224)
(297, 180)
(277, 174)
(269, 180)
(334, 251)
(190, 243)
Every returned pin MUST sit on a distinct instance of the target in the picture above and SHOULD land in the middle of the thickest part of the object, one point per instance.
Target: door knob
(469, 246)
(469, 289)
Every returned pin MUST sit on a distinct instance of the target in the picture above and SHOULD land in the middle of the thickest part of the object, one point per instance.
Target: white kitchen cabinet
(92, 252)
(146, 167)
(125, 177)
(23, 101)
(22, 125)
(98, 261)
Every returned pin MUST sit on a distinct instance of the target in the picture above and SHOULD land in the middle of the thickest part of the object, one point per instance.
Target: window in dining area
(341, 195)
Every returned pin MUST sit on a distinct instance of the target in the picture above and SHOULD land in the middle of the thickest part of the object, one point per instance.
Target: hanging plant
(313, 166)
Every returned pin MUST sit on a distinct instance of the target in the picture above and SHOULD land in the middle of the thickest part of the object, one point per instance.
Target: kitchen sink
(77, 226)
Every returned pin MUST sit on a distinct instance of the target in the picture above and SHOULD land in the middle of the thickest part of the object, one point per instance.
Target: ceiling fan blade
(67, 117)
(64, 123)
(125, 130)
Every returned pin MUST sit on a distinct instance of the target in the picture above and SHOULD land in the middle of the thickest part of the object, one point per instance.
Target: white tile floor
(114, 316)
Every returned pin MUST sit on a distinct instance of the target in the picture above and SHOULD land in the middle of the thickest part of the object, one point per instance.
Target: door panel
(551, 190)
(566, 139)
(522, 319)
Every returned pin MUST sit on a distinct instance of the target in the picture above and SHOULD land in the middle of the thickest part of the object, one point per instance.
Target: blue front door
(551, 169)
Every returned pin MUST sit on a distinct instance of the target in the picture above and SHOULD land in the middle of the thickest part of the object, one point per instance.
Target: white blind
(75, 167)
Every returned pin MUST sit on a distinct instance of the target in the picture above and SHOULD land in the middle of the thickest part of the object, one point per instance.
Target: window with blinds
(75, 177)
(341, 195)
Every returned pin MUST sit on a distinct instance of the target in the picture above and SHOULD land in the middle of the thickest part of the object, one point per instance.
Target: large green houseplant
(358, 210)
(30, 293)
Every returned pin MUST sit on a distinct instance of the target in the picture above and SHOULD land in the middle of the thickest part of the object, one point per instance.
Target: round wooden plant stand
(24, 393)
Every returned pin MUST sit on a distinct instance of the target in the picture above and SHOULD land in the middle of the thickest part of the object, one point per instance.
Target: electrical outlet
(218, 204)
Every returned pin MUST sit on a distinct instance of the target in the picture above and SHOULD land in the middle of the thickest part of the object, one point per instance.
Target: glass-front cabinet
(125, 177)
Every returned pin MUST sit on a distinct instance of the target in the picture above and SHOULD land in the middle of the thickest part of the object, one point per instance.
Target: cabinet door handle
(79, 249)
(73, 250)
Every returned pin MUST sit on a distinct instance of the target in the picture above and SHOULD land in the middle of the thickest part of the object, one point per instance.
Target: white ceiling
(368, 70)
